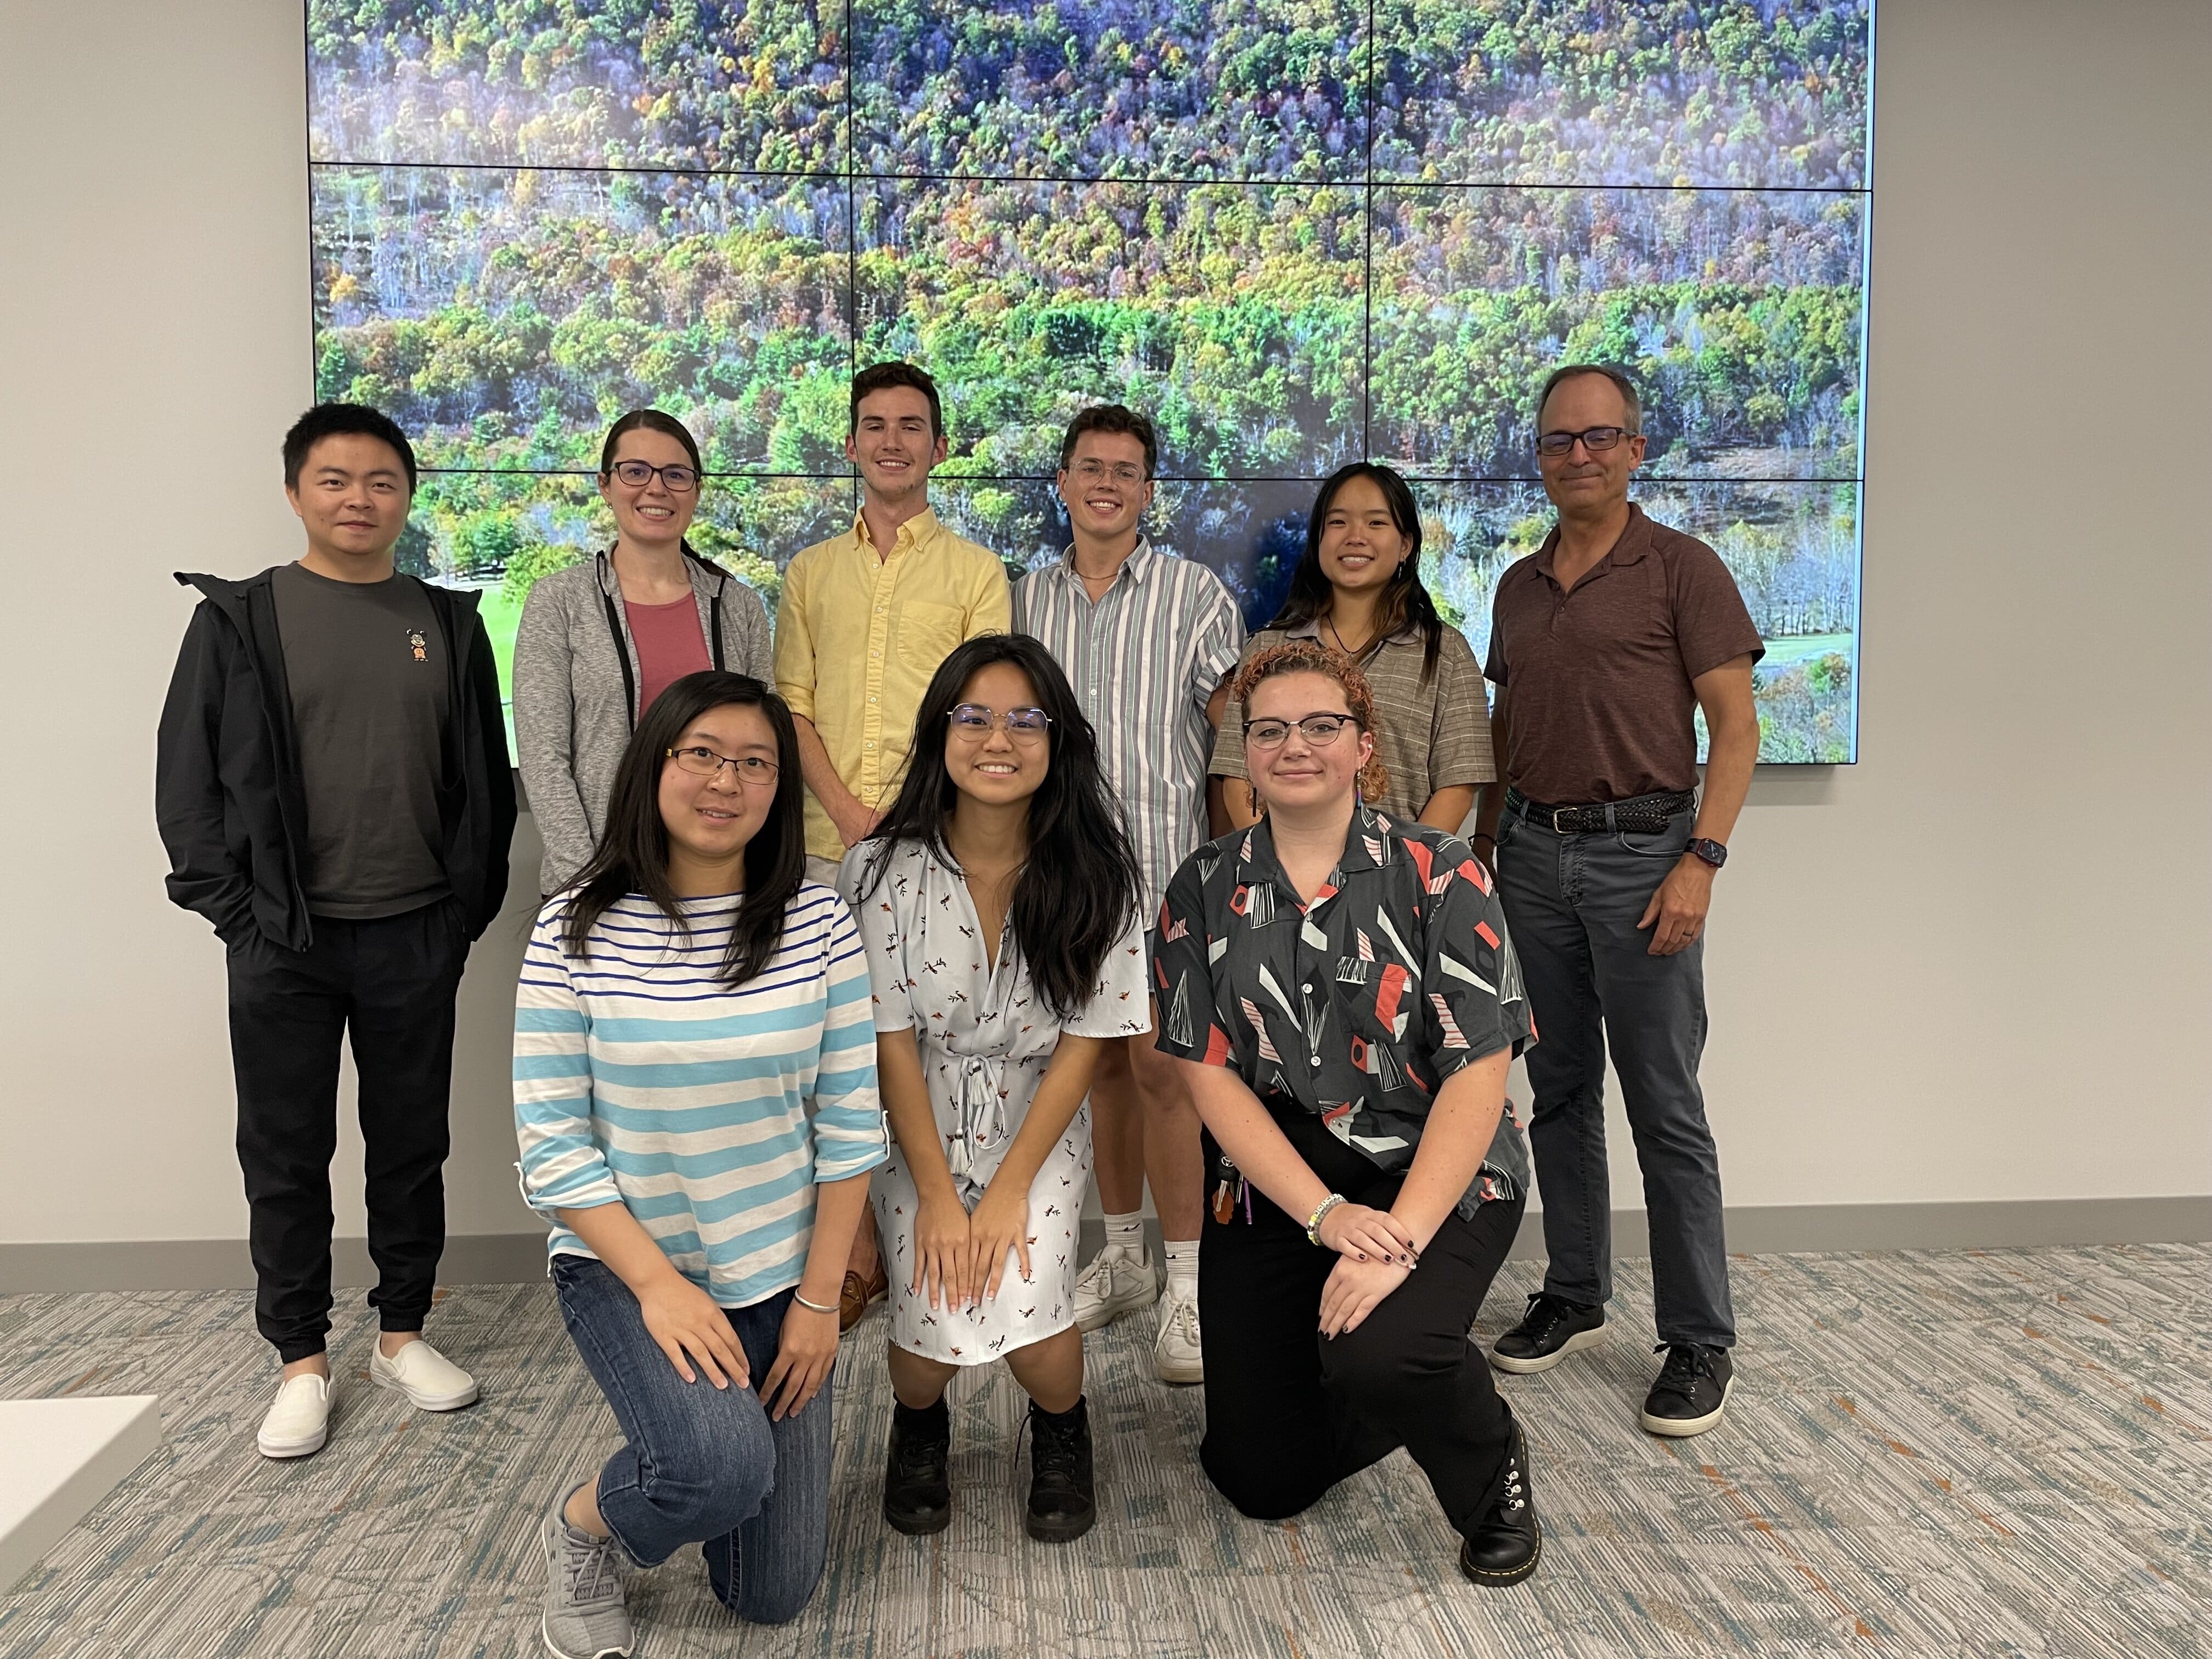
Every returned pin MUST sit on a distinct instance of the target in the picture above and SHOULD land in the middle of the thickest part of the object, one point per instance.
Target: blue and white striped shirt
(642, 1078)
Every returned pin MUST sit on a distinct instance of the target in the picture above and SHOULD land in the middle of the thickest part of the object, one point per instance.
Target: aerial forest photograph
(1296, 233)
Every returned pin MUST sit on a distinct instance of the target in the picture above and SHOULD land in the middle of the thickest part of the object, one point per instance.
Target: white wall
(1964, 970)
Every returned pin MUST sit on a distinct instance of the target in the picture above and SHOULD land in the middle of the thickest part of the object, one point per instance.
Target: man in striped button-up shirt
(1146, 639)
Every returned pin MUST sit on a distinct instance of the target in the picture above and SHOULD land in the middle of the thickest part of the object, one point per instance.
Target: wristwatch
(1711, 851)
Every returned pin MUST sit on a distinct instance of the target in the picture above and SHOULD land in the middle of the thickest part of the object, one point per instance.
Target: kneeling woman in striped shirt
(694, 1094)
(998, 901)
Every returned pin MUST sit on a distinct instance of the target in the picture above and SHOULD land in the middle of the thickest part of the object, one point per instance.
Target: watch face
(1711, 851)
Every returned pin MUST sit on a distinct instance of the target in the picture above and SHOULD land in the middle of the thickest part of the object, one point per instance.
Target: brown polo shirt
(1599, 678)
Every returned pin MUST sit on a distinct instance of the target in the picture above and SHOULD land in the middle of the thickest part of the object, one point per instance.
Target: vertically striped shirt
(1143, 661)
(642, 1078)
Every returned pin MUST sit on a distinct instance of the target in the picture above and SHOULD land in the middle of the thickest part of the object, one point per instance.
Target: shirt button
(1308, 990)
(1316, 1062)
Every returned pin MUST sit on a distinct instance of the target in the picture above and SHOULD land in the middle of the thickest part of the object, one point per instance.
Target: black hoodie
(226, 788)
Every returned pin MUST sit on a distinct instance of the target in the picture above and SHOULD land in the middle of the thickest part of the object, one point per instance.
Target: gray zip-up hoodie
(576, 675)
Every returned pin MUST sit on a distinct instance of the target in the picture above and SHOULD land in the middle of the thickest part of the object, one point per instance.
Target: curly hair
(1310, 656)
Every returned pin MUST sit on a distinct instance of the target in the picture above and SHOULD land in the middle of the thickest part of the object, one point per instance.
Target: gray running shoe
(584, 1617)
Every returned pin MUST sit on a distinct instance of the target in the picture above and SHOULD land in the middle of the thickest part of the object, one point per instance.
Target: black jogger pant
(1290, 1413)
(387, 985)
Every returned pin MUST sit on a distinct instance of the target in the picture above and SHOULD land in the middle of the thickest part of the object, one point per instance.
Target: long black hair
(633, 852)
(1405, 600)
(1076, 892)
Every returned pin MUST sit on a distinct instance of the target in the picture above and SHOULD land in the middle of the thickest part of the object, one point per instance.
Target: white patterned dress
(986, 1039)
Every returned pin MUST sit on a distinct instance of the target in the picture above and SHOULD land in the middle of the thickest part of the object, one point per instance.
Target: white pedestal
(57, 1459)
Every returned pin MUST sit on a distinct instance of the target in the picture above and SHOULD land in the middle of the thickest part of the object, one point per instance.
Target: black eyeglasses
(681, 480)
(1319, 730)
(756, 769)
(1595, 439)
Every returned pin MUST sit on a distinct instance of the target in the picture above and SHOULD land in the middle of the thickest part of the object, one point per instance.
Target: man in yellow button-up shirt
(866, 617)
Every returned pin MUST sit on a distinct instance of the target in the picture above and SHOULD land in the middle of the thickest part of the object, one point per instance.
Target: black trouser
(388, 985)
(1289, 1412)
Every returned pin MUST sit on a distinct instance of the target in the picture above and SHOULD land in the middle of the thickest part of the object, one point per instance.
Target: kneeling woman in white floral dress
(998, 901)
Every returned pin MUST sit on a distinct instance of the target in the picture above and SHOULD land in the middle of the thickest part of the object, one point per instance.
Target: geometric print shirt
(1359, 1006)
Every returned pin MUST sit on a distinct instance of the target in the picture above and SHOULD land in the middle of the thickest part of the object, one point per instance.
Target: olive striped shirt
(1143, 661)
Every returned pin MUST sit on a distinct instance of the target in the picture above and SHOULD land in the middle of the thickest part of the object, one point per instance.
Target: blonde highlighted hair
(1307, 656)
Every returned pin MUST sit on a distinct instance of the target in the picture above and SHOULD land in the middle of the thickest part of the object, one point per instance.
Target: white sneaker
(1113, 1283)
(1177, 1354)
(298, 1419)
(426, 1377)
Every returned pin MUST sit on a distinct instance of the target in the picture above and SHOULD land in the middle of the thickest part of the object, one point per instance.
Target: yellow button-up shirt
(857, 638)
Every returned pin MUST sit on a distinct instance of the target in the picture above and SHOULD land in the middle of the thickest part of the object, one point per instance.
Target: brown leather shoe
(854, 1299)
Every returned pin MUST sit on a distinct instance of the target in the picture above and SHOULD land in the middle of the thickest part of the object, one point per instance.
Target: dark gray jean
(1572, 902)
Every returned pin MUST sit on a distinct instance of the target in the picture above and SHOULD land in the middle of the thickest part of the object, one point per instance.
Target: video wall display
(1295, 231)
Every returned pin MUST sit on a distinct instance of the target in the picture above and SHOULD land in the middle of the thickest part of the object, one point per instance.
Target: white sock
(1182, 1267)
(1126, 1233)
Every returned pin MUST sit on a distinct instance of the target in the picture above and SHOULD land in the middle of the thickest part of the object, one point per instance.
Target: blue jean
(704, 1465)
(1572, 903)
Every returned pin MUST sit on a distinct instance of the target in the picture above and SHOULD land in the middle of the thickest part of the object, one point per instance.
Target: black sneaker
(917, 1483)
(1060, 1503)
(1504, 1545)
(1553, 1329)
(1692, 1391)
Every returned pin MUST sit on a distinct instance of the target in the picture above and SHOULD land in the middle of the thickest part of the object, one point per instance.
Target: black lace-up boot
(917, 1481)
(1503, 1545)
(1061, 1503)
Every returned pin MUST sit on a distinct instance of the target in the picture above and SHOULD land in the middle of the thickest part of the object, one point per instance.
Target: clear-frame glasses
(975, 721)
(756, 769)
(1091, 470)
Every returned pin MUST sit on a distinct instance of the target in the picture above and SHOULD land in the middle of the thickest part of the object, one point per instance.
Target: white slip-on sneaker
(1177, 1354)
(1113, 1283)
(299, 1418)
(426, 1377)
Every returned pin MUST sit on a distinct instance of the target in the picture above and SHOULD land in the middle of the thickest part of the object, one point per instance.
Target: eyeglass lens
(638, 473)
(1594, 439)
(1320, 730)
(973, 720)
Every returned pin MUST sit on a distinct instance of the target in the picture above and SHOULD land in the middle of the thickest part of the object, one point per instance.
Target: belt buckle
(1556, 829)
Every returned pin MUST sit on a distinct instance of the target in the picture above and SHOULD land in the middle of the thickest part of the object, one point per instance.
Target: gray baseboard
(220, 1264)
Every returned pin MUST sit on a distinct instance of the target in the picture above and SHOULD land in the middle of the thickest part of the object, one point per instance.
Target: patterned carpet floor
(1927, 1453)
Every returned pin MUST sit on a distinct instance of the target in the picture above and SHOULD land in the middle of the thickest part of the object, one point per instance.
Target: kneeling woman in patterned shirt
(997, 901)
(695, 1093)
(1338, 983)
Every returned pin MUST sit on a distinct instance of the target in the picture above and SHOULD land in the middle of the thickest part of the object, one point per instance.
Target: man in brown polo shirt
(1603, 646)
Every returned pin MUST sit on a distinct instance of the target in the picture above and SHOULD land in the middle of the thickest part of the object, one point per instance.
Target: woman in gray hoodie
(600, 641)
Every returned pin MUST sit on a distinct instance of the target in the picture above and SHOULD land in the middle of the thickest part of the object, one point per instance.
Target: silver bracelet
(811, 1307)
(1313, 1222)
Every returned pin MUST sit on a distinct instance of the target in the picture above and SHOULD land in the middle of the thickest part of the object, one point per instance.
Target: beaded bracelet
(1313, 1222)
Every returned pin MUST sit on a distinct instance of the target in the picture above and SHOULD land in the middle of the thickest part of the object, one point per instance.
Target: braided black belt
(1645, 815)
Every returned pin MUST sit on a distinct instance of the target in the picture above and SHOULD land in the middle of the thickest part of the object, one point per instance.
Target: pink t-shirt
(670, 645)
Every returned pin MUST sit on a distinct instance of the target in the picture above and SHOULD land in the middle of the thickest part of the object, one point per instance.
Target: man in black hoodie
(334, 792)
